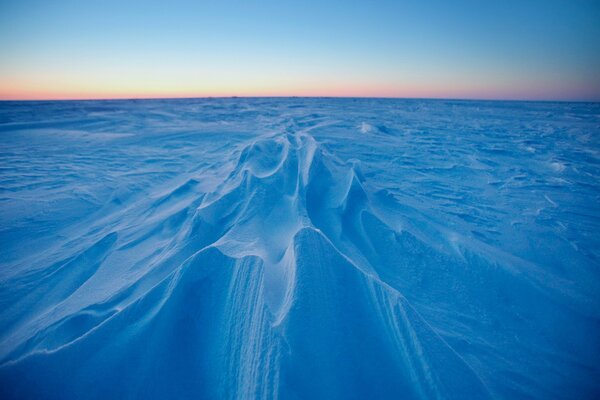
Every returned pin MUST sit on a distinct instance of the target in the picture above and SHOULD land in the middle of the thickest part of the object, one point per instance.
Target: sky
(78, 49)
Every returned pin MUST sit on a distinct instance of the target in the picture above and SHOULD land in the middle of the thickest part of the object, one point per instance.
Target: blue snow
(299, 248)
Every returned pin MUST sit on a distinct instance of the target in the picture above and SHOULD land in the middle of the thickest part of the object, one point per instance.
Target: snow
(299, 248)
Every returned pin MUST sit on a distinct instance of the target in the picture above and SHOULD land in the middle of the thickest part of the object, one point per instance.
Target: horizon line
(300, 97)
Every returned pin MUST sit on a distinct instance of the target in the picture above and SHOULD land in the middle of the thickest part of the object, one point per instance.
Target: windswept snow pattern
(299, 249)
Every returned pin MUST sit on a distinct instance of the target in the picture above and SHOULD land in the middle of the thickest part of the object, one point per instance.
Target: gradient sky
(450, 49)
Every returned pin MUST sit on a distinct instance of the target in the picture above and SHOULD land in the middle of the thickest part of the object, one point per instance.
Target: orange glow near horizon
(16, 91)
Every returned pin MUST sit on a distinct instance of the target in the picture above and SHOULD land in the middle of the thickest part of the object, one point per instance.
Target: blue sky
(457, 49)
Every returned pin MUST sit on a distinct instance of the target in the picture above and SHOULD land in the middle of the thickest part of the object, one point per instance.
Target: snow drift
(279, 249)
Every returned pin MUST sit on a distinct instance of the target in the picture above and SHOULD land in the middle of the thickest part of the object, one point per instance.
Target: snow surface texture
(299, 249)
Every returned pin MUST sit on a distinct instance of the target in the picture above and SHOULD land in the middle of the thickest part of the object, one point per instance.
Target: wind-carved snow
(288, 248)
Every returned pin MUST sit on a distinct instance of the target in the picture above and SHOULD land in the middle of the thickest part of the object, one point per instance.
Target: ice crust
(299, 248)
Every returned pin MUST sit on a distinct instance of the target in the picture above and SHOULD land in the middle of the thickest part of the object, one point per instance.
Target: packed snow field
(299, 249)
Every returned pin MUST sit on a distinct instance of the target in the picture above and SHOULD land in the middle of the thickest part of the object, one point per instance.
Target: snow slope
(299, 248)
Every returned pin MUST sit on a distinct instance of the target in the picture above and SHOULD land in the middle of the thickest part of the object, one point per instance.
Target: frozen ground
(299, 248)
